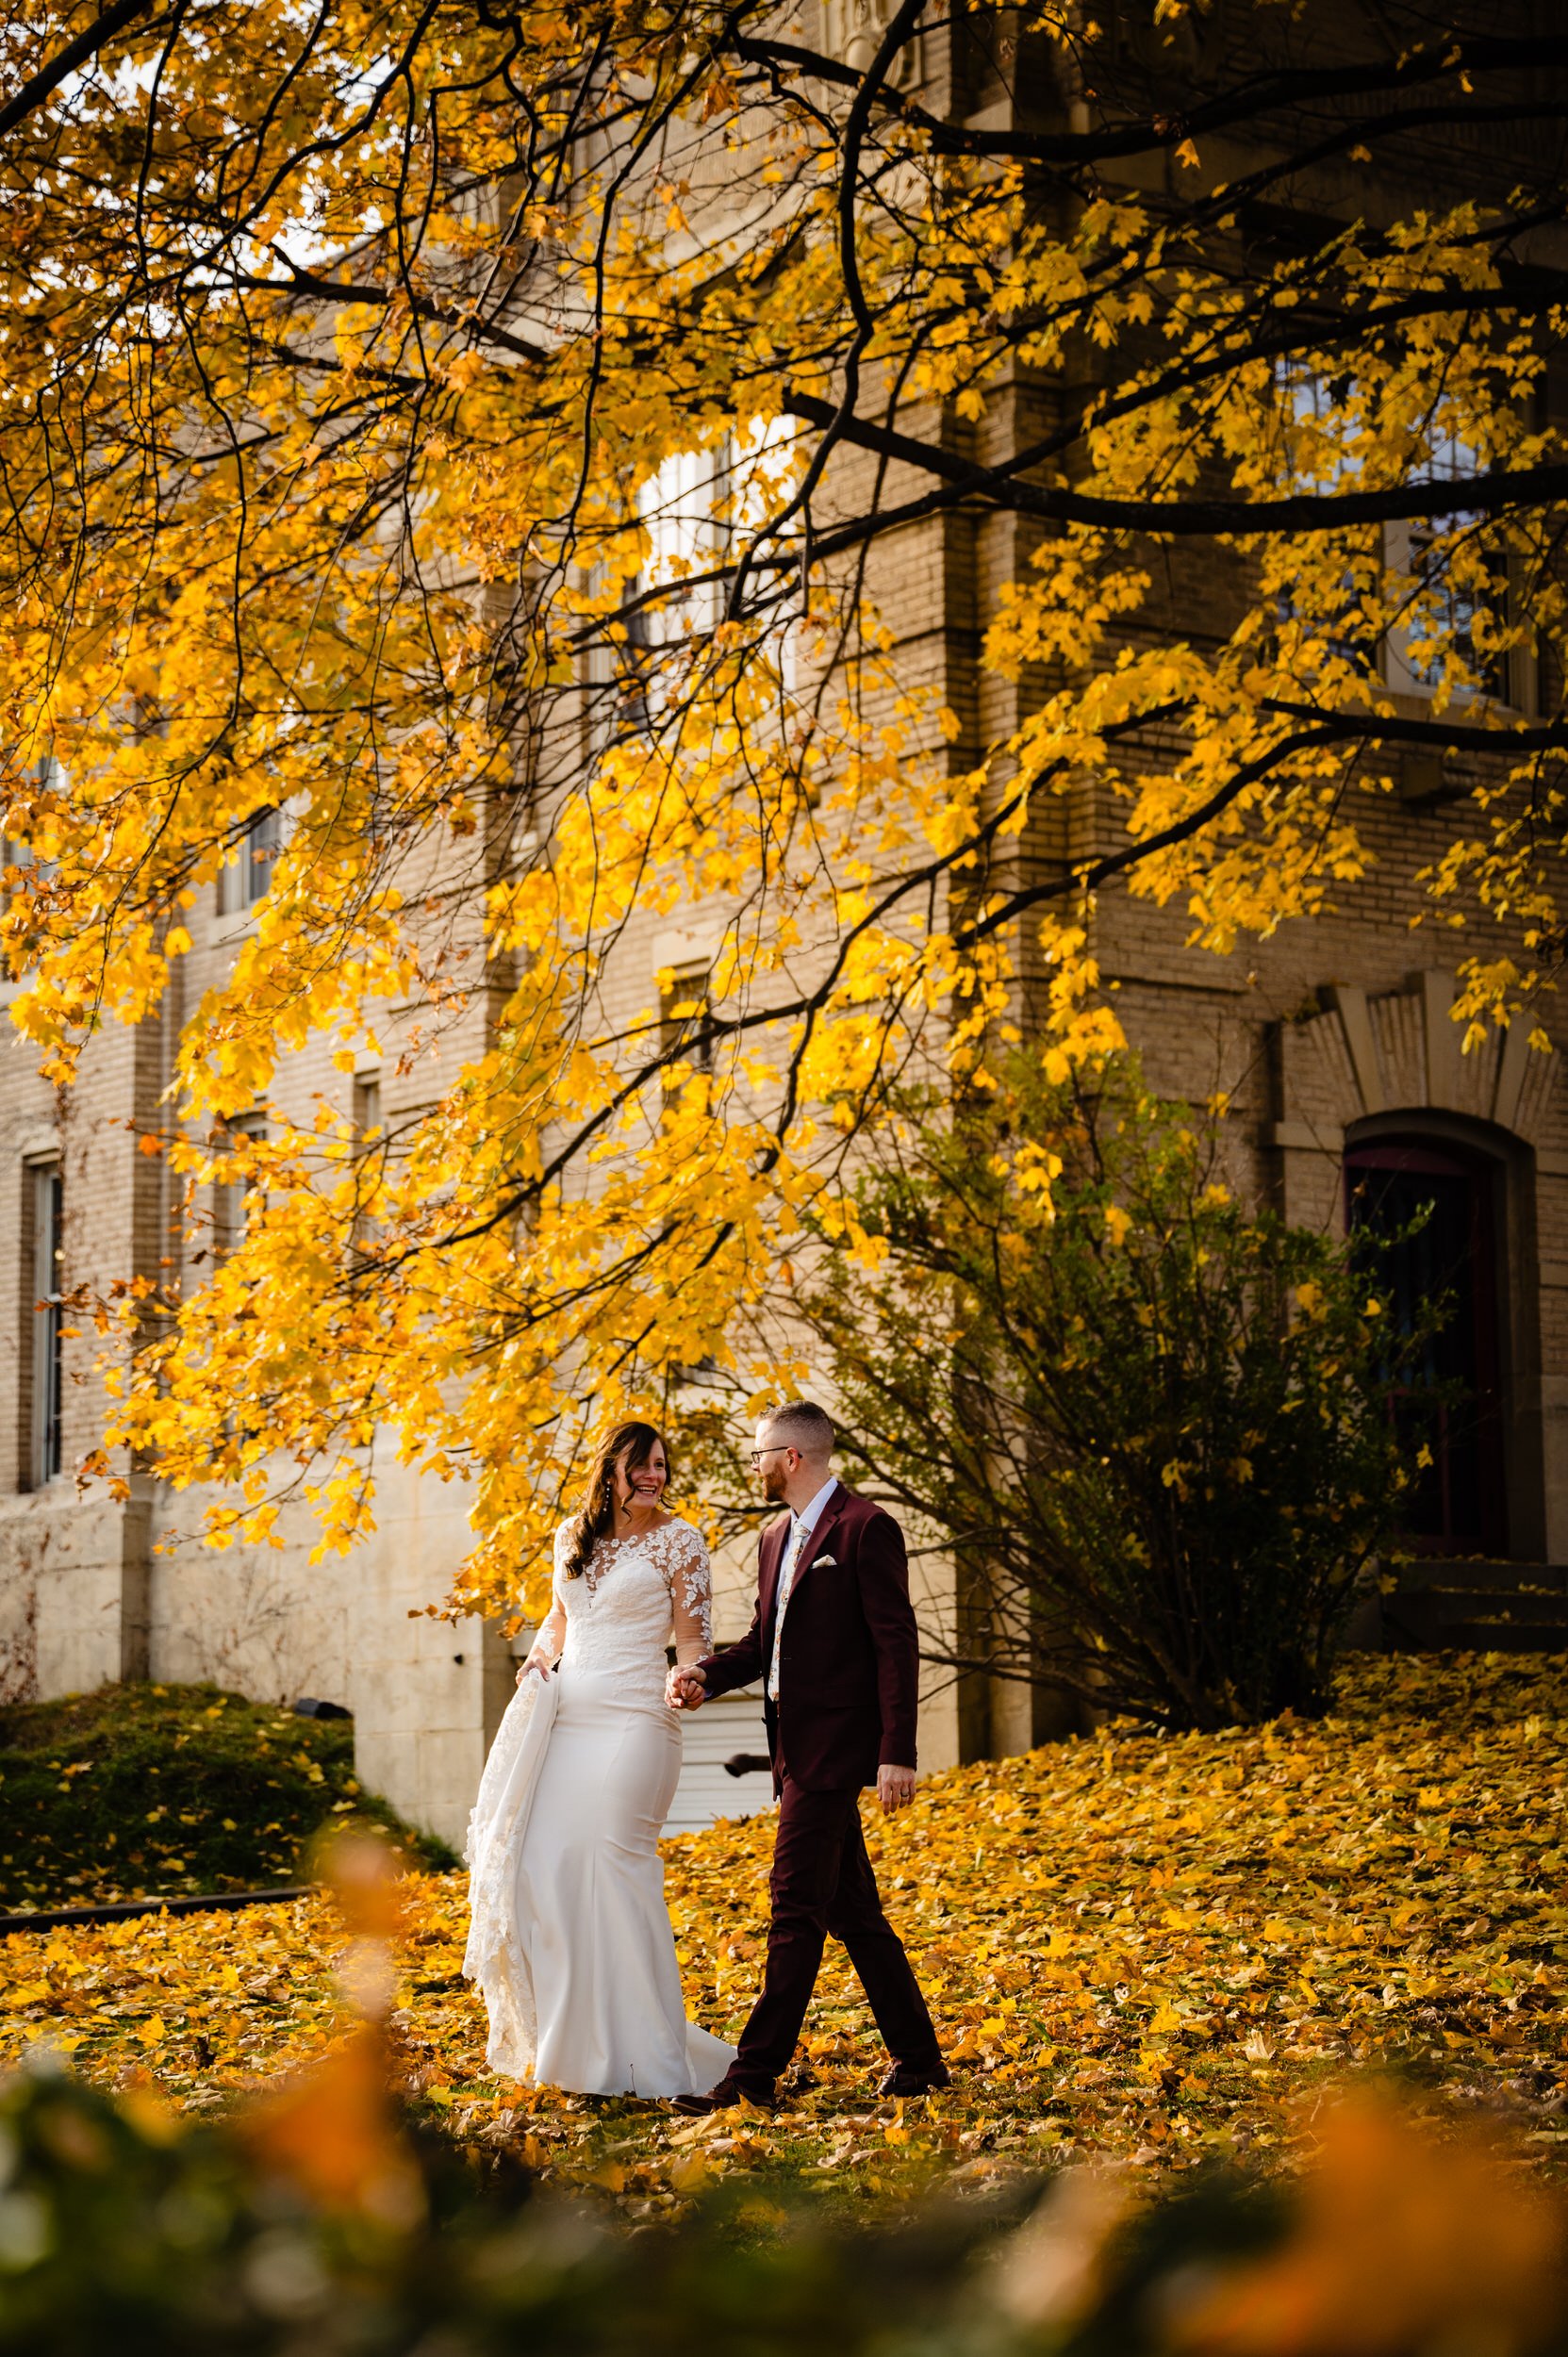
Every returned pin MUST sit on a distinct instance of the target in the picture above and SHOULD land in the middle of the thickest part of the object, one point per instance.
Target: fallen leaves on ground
(1139, 1946)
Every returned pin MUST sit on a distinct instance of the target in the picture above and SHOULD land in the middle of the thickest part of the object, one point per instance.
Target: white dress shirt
(801, 1525)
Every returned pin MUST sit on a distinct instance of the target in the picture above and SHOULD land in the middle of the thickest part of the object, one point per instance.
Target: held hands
(685, 1688)
(894, 1788)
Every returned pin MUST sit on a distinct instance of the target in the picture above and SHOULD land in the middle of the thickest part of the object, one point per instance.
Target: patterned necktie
(786, 1581)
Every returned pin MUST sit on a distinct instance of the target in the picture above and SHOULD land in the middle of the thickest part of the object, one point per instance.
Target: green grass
(151, 1791)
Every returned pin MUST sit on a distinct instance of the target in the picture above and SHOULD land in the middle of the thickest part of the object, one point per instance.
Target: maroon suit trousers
(822, 1883)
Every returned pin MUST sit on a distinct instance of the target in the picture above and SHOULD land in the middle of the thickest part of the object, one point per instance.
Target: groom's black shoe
(906, 2080)
(722, 2098)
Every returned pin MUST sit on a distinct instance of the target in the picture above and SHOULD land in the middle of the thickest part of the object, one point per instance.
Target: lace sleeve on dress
(691, 1597)
(551, 1634)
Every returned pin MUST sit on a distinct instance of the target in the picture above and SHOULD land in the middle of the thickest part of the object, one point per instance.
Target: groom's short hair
(800, 1424)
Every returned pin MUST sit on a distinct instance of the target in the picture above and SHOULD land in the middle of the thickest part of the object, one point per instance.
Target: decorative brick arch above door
(1367, 1068)
(1379, 1052)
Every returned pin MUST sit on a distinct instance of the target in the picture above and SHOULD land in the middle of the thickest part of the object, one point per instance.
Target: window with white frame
(366, 1145)
(1317, 461)
(228, 1192)
(367, 1107)
(684, 1010)
(50, 776)
(245, 876)
(1449, 606)
(46, 1355)
(698, 509)
(680, 508)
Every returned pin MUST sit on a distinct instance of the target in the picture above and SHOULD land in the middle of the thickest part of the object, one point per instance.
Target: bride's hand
(685, 1688)
(540, 1668)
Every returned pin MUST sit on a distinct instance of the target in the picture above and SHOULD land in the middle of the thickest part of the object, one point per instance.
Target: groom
(834, 1638)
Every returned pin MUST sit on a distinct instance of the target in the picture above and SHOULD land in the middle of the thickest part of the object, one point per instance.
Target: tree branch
(1267, 93)
(1196, 519)
(110, 20)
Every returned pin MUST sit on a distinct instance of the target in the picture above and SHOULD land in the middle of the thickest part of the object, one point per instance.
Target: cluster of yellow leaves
(337, 544)
(1151, 1949)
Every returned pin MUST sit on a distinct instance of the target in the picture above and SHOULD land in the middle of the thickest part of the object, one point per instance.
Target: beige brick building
(1337, 1052)
(1333, 1041)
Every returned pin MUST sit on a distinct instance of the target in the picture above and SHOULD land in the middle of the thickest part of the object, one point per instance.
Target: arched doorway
(1451, 1406)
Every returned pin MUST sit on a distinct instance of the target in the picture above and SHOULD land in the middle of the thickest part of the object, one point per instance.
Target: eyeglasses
(778, 1449)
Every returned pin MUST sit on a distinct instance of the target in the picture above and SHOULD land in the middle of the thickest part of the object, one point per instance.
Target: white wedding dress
(569, 1935)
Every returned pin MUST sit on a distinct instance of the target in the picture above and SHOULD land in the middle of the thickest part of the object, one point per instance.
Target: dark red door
(1450, 1404)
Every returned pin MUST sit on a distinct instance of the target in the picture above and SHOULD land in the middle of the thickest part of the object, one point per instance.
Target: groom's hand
(894, 1788)
(685, 1688)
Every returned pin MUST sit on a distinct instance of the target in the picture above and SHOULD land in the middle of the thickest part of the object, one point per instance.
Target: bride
(569, 1936)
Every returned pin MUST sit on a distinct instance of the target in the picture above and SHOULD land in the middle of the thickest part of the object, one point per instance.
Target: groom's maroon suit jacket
(849, 1666)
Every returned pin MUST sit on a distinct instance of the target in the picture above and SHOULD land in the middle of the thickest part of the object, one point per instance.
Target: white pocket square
(830, 1561)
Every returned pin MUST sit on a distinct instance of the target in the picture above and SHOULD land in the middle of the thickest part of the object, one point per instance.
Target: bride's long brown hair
(597, 1518)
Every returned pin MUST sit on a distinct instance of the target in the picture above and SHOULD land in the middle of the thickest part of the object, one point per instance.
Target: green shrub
(1151, 1423)
(141, 1790)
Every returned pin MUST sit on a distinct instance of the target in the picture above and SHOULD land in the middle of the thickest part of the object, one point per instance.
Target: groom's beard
(773, 1485)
